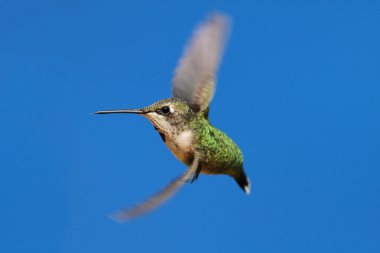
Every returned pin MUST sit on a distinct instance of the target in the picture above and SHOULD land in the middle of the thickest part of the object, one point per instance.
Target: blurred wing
(195, 75)
(157, 199)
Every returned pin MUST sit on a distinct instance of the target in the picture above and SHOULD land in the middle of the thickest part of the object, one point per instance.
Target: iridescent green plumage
(220, 155)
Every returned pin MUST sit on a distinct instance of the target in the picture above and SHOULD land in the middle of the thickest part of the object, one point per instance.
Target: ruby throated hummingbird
(183, 122)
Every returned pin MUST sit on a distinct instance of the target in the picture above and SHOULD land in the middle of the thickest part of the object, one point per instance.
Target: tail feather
(243, 181)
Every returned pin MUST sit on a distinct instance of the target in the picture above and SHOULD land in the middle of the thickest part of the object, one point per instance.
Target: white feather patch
(247, 188)
(185, 139)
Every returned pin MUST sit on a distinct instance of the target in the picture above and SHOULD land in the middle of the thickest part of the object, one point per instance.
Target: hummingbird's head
(169, 116)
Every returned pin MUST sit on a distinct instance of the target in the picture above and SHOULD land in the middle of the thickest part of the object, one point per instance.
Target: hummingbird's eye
(165, 110)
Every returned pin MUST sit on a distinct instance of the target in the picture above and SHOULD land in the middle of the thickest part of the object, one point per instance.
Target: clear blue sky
(299, 91)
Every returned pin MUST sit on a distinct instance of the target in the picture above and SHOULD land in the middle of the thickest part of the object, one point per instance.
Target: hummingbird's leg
(196, 174)
(158, 198)
(198, 153)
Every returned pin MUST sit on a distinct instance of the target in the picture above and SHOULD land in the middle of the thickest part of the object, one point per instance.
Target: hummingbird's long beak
(134, 111)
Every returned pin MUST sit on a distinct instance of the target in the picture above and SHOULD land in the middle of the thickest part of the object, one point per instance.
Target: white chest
(184, 140)
(182, 145)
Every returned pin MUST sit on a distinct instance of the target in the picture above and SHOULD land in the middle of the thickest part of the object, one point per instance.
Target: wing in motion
(158, 198)
(195, 75)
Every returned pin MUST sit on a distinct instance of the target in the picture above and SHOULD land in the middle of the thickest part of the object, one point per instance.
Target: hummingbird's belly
(212, 169)
(184, 155)
(220, 155)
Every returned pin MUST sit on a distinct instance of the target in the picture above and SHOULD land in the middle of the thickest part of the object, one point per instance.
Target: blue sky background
(299, 91)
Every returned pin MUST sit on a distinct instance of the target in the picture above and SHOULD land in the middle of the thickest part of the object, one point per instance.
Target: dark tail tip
(243, 181)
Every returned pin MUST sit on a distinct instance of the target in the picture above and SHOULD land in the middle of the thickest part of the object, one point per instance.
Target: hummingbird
(183, 120)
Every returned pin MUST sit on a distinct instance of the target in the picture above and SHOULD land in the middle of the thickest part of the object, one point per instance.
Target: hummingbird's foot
(196, 174)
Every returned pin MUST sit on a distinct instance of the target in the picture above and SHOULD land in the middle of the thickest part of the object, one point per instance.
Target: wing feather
(195, 75)
(157, 199)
